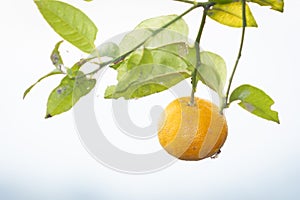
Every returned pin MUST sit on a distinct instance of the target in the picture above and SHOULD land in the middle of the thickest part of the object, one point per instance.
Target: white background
(44, 159)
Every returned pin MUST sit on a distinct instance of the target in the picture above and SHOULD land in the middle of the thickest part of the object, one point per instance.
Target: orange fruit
(192, 132)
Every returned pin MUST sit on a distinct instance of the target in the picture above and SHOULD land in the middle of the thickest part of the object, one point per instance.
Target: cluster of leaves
(149, 59)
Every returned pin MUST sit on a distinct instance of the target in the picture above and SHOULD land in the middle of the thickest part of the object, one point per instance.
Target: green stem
(198, 61)
(154, 33)
(239, 53)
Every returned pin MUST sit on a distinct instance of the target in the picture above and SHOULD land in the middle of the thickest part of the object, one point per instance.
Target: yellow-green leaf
(148, 72)
(231, 14)
(70, 23)
(176, 32)
(56, 57)
(69, 91)
(213, 71)
(255, 101)
(54, 72)
(274, 4)
(108, 49)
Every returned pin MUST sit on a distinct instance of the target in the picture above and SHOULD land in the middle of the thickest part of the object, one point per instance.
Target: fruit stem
(198, 61)
(239, 54)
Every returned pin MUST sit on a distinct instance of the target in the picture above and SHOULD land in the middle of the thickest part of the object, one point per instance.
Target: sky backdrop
(45, 159)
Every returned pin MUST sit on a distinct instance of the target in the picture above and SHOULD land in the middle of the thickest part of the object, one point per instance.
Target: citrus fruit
(192, 132)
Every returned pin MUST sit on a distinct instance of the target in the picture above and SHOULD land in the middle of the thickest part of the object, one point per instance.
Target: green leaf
(181, 49)
(184, 51)
(155, 23)
(137, 58)
(70, 23)
(255, 101)
(213, 71)
(55, 56)
(54, 72)
(148, 72)
(176, 32)
(277, 5)
(108, 49)
(231, 15)
(66, 95)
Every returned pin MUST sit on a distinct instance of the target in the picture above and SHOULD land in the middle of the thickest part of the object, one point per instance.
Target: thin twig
(239, 53)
